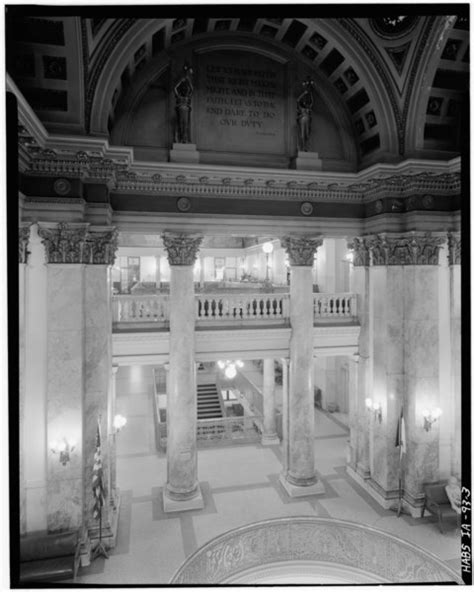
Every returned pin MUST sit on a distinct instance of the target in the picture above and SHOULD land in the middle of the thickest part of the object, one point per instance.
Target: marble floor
(239, 484)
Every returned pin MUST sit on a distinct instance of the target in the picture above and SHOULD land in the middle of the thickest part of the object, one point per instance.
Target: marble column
(23, 237)
(79, 365)
(454, 245)
(360, 364)
(182, 490)
(300, 478)
(269, 436)
(33, 429)
(98, 389)
(404, 292)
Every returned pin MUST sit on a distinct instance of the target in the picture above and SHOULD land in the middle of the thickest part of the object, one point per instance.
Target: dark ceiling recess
(33, 30)
(246, 24)
(451, 80)
(331, 62)
(357, 101)
(294, 33)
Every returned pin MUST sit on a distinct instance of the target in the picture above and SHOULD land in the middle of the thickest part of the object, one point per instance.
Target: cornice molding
(93, 159)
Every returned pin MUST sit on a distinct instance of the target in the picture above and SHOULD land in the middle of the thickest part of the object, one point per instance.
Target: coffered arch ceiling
(400, 79)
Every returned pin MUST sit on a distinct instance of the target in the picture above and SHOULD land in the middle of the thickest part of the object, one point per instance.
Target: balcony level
(248, 325)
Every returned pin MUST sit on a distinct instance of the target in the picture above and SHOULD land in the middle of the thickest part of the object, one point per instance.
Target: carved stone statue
(304, 104)
(183, 91)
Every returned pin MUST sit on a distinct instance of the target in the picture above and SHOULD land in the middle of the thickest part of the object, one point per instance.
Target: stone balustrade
(234, 308)
(242, 307)
(359, 554)
(334, 306)
(140, 308)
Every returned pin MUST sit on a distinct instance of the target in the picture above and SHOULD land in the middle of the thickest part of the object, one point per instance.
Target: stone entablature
(79, 243)
(413, 248)
(301, 250)
(182, 248)
(23, 239)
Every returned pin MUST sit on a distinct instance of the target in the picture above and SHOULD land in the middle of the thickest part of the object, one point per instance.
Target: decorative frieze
(454, 248)
(182, 248)
(23, 238)
(406, 249)
(361, 252)
(78, 243)
(301, 250)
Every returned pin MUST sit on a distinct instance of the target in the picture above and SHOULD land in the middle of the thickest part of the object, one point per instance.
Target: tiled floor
(240, 485)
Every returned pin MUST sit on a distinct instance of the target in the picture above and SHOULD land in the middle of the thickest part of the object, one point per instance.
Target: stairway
(208, 402)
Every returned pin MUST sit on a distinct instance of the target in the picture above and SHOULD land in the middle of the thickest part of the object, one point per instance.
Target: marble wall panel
(97, 296)
(21, 392)
(65, 393)
(98, 360)
(64, 504)
(393, 294)
(421, 293)
(35, 494)
(421, 348)
(65, 297)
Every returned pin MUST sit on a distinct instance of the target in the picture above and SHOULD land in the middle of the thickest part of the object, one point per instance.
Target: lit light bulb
(267, 248)
(240, 364)
(230, 371)
(368, 403)
(221, 364)
(437, 413)
(425, 413)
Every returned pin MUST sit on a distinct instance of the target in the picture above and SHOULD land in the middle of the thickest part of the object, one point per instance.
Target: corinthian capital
(454, 246)
(64, 243)
(101, 246)
(405, 249)
(78, 243)
(182, 248)
(361, 252)
(23, 238)
(301, 250)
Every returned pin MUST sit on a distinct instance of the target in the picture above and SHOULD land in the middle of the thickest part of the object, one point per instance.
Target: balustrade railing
(230, 429)
(334, 306)
(234, 308)
(242, 307)
(139, 309)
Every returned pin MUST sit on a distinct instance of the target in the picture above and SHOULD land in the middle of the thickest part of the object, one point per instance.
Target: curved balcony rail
(242, 307)
(334, 306)
(365, 554)
(214, 309)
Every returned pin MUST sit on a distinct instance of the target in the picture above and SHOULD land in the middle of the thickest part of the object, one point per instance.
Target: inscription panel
(241, 103)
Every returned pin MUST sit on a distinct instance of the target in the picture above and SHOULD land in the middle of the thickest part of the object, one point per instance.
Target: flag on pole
(400, 441)
(97, 477)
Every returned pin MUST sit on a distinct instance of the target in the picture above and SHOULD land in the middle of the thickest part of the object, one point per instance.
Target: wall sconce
(64, 448)
(119, 422)
(375, 407)
(430, 416)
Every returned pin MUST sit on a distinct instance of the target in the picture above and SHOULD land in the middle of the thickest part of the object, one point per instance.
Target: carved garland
(182, 248)
(77, 243)
(301, 250)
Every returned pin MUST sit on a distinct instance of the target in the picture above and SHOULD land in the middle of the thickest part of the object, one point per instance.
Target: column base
(308, 161)
(184, 153)
(270, 440)
(302, 490)
(196, 502)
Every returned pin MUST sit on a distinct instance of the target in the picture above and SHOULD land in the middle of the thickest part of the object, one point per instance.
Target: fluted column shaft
(182, 488)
